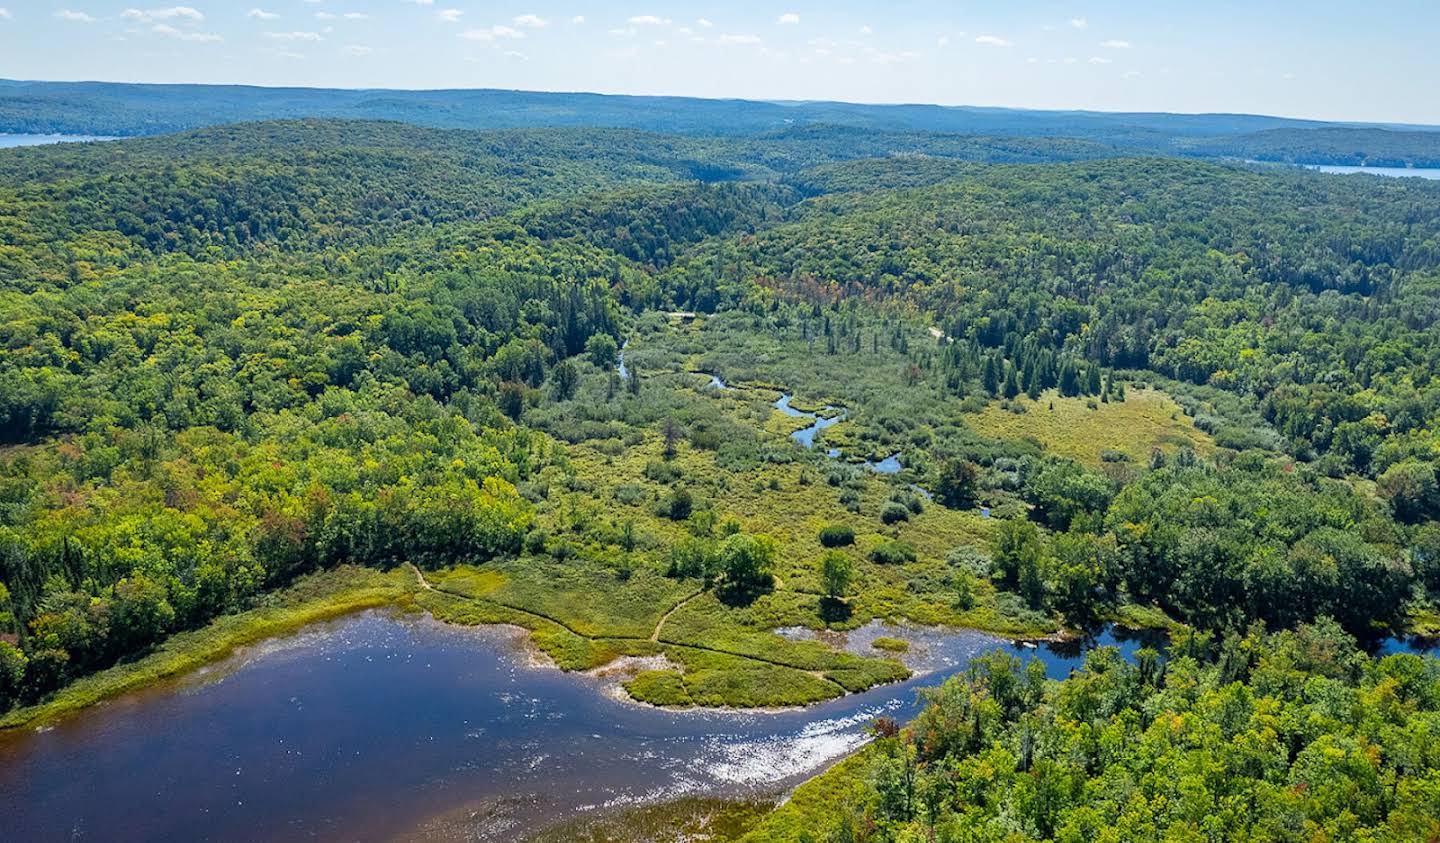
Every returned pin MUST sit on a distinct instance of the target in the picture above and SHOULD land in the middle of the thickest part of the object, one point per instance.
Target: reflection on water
(372, 726)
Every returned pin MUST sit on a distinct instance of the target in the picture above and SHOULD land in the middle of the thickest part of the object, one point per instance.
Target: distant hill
(1329, 145)
(105, 108)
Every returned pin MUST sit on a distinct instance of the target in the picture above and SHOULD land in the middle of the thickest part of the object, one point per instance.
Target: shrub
(894, 512)
(677, 505)
(893, 645)
(837, 535)
(892, 552)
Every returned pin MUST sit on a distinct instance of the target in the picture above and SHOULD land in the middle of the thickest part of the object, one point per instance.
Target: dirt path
(655, 636)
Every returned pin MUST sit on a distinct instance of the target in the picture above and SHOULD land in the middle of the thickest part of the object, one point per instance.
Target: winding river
(378, 727)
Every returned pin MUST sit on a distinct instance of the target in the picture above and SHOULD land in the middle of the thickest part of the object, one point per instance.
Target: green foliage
(837, 535)
(746, 563)
(892, 552)
(837, 572)
(1303, 737)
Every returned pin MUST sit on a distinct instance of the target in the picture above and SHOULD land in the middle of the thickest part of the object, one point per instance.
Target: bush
(677, 505)
(892, 553)
(894, 513)
(837, 535)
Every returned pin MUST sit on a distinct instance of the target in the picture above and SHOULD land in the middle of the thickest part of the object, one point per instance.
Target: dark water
(8, 141)
(376, 727)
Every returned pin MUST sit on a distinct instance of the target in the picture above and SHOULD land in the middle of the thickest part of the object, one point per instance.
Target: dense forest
(235, 357)
(1291, 736)
(126, 110)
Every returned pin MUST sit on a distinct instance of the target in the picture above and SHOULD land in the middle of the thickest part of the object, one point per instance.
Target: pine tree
(991, 378)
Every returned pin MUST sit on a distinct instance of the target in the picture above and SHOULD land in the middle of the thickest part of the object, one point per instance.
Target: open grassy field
(1084, 429)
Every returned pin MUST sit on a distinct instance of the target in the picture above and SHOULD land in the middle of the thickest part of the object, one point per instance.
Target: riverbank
(316, 598)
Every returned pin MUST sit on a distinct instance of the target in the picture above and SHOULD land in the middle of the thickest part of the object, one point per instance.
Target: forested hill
(227, 190)
(237, 355)
(116, 109)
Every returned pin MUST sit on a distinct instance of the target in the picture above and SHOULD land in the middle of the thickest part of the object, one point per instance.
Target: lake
(375, 727)
(8, 141)
(1400, 172)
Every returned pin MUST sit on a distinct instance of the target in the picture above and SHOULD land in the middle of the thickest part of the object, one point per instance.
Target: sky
(1300, 58)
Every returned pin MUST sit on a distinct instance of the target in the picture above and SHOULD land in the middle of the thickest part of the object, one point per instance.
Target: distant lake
(9, 140)
(1396, 172)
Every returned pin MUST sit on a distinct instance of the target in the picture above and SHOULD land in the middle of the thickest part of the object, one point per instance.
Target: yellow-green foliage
(660, 687)
(313, 599)
(755, 685)
(815, 803)
(1145, 420)
(894, 645)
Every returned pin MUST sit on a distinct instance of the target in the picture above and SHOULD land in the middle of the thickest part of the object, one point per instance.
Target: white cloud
(359, 50)
(1114, 44)
(261, 14)
(577, 20)
(788, 19)
(992, 41)
(148, 15)
(171, 32)
(515, 54)
(705, 23)
(649, 20)
(491, 33)
(449, 15)
(324, 16)
(739, 39)
(355, 16)
(942, 41)
(1099, 60)
(4, 13)
(421, 2)
(867, 30)
(76, 17)
(1079, 23)
(294, 36)
(530, 21)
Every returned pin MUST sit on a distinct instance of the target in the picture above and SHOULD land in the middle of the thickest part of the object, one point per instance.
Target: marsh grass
(1147, 419)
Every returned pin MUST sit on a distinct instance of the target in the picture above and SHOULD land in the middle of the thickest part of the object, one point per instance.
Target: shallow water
(806, 435)
(889, 465)
(375, 727)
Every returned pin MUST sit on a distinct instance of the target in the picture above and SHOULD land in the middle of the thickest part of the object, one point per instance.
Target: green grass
(893, 645)
(313, 599)
(745, 684)
(688, 820)
(660, 687)
(809, 813)
(1145, 420)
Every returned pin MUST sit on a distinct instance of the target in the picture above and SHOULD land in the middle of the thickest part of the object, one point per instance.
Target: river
(376, 727)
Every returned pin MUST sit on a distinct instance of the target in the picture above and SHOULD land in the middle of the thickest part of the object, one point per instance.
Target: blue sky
(1307, 59)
